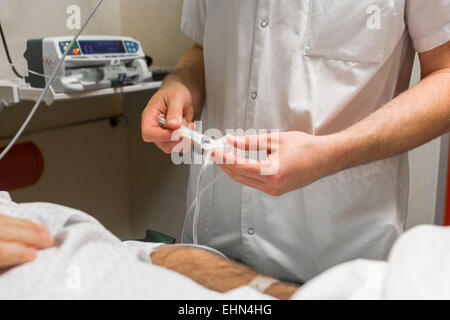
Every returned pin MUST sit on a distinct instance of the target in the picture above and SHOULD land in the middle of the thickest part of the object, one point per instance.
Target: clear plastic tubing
(207, 144)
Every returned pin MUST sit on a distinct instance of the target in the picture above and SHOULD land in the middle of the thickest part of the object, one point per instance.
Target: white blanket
(418, 268)
(88, 262)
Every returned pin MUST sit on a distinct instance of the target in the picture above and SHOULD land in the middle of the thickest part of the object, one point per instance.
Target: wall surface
(424, 171)
(88, 166)
(156, 23)
(24, 19)
(86, 169)
(157, 186)
(85, 166)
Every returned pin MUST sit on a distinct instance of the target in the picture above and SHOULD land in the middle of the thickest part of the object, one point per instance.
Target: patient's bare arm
(212, 271)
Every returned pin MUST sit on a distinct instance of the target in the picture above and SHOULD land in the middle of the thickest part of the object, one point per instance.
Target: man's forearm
(214, 272)
(189, 71)
(415, 117)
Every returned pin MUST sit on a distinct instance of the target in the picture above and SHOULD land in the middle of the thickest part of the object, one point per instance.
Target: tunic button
(250, 231)
(254, 95)
(264, 22)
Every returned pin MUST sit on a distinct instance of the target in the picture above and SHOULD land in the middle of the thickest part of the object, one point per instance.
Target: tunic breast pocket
(355, 31)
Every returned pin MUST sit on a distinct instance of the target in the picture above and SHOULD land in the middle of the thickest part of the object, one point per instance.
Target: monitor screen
(100, 47)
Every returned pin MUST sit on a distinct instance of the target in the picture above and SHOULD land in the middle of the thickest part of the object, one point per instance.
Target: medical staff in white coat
(332, 77)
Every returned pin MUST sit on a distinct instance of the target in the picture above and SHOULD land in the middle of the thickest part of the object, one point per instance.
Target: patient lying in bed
(82, 260)
(79, 258)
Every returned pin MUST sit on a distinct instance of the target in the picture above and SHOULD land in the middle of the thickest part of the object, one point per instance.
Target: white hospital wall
(157, 187)
(156, 23)
(27, 19)
(424, 172)
(85, 166)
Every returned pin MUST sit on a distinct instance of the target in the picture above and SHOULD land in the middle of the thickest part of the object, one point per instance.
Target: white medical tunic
(318, 67)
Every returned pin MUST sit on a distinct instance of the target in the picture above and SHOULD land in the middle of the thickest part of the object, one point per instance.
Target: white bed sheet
(418, 268)
(89, 262)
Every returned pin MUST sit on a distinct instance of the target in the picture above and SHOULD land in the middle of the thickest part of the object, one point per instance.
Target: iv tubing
(198, 197)
(191, 206)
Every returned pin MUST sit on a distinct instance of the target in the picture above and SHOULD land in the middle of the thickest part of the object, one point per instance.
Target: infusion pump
(93, 62)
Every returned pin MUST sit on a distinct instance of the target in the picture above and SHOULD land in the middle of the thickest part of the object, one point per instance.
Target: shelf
(32, 94)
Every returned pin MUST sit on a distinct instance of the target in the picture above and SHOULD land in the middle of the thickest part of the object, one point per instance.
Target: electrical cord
(37, 73)
(8, 56)
(42, 75)
(50, 81)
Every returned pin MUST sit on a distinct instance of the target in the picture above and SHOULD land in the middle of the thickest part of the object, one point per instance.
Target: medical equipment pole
(52, 77)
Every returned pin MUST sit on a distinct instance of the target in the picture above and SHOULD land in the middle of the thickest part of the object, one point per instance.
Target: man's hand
(19, 240)
(295, 159)
(182, 93)
(175, 101)
(213, 271)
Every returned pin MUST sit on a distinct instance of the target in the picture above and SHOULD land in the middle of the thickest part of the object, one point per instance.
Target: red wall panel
(21, 167)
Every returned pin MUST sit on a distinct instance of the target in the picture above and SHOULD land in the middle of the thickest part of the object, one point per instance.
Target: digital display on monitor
(101, 47)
